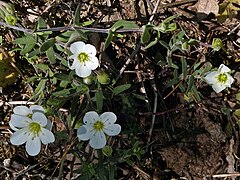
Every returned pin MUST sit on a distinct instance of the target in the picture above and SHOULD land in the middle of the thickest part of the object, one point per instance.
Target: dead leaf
(205, 7)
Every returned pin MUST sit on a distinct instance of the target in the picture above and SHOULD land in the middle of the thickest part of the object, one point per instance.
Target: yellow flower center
(83, 57)
(34, 128)
(222, 78)
(98, 126)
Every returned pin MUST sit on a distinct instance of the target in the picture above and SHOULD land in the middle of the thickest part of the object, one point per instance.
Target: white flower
(25, 111)
(84, 56)
(95, 126)
(220, 79)
(29, 125)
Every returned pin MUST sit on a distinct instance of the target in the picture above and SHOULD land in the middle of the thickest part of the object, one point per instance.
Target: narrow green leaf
(119, 89)
(196, 93)
(62, 93)
(39, 89)
(27, 48)
(190, 83)
(123, 24)
(164, 44)
(51, 55)
(108, 40)
(99, 100)
(47, 44)
(34, 53)
(77, 15)
(184, 67)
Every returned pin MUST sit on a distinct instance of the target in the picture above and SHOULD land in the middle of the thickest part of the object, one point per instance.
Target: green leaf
(82, 89)
(123, 24)
(196, 93)
(119, 89)
(34, 53)
(61, 76)
(51, 55)
(77, 15)
(63, 93)
(146, 34)
(43, 67)
(108, 40)
(41, 23)
(164, 44)
(190, 83)
(47, 44)
(25, 40)
(152, 43)
(99, 100)
(39, 89)
(27, 48)
(64, 37)
(171, 27)
(76, 36)
(107, 151)
(184, 67)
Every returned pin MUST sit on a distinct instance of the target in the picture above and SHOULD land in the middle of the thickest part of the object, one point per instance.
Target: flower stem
(101, 175)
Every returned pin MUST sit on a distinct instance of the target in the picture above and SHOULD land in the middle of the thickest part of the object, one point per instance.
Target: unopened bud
(103, 78)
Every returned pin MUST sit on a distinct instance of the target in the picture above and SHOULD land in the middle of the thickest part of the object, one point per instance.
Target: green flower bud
(217, 44)
(88, 80)
(11, 20)
(103, 78)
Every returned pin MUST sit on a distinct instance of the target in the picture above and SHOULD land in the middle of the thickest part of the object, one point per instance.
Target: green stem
(101, 165)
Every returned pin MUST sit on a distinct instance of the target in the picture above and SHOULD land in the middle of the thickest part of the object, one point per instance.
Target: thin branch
(66, 28)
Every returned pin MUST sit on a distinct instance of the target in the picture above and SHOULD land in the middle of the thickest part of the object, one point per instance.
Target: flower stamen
(35, 128)
(83, 57)
(222, 78)
(98, 125)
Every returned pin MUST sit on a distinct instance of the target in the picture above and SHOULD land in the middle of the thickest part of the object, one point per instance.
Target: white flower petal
(211, 78)
(40, 118)
(222, 69)
(22, 110)
(83, 133)
(90, 117)
(77, 47)
(33, 146)
(37, 108)
(46, 136)
(93, 63)
(49, 125)
(112, 130)
(82, 71)
(20, 137)
(218, 87)
(75, 64)
(230, 80)
(108, 118)
(98, 140)
(19, 121)
(90, 49)
(12, 126)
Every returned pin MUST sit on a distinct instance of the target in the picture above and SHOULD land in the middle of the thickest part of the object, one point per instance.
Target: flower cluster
(84, 58)
(30, 126)
(220, 79)
(95, 127)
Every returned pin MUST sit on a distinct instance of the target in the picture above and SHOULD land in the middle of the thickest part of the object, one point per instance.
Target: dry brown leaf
(205, 7)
